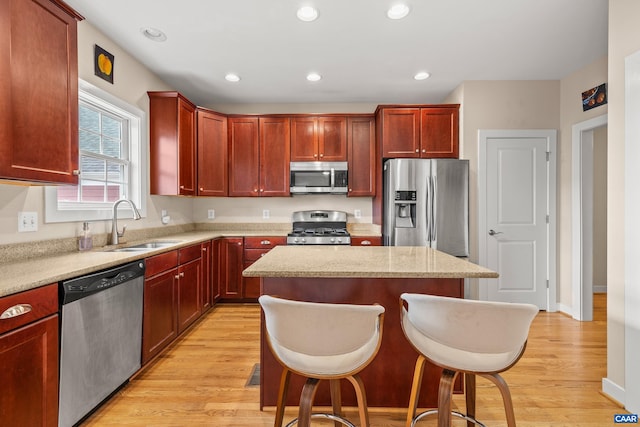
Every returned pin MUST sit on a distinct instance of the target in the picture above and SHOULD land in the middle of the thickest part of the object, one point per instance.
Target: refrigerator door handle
(428, 209)
(434, 192)
(333, 178)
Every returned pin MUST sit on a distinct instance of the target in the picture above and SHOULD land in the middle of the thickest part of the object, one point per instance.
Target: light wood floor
(201, 380)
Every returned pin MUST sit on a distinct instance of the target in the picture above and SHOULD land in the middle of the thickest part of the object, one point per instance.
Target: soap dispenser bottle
(85, 241)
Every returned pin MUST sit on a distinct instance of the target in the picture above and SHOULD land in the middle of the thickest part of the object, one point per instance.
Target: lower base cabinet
(29, 359)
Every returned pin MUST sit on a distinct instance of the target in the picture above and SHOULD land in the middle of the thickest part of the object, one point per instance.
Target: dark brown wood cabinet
(361, 141)
(217, 269)
(366, 241)
(208, 268)
(38, 91)
(189, 286)
(254, 248)
(29, 359)
(231, 262)
(319, 138)
(259, 156)
(172, 144)
(212, 153)
(159, 322)
(420, 131)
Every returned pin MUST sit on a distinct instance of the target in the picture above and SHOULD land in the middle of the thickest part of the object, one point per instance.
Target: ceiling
(363, 56)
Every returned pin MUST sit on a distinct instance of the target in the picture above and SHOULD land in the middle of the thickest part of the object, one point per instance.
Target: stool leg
(306, 402)
(336, 400)
(444, 397)
(282, 397)
(506, 397)
(358, 385)
(415, 389)
(470, 396)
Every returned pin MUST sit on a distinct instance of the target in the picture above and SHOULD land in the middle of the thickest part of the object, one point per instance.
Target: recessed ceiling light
(398, 11)
(313, 77)
(307, 14)
(422, 75)
(154, 34)
(232, 77)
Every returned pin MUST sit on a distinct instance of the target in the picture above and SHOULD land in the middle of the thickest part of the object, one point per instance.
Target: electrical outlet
(163, 213)
(265, 213)
(357, 213)
(27, 221)
(211, 214)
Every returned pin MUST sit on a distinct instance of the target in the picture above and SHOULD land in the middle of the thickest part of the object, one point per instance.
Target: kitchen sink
(142, 247)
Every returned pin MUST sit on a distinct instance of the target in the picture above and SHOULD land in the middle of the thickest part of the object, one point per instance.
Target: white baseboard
(613, 390)
(565, 309)
(599, 289)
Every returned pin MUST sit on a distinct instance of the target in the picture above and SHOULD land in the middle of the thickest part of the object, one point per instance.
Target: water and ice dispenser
(405, 209)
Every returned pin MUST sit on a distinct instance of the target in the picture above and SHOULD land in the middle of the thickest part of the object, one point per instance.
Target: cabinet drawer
(189, 253)
(251, 255)
(366, 241)
(42, 301)
(159, 263)
(264, 242)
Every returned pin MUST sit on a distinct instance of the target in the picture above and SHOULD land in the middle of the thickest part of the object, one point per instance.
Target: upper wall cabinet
(421, 131)
(38, 91)
(362, 155)
(319, 138)
(172, 140)
(259, 156)
(212, 153)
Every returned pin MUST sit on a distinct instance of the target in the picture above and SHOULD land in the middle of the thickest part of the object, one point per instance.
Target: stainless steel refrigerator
(426, 203)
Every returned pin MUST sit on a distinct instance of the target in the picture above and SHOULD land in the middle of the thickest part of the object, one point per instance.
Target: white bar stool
(464, 336)
(322, 341)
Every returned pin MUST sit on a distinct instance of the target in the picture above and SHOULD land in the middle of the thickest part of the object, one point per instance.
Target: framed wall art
(103, 63)
(594, 97)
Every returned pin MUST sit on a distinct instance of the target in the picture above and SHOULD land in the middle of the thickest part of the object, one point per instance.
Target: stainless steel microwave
(319, 178)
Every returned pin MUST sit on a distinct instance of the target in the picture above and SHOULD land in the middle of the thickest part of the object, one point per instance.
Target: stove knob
(295, 240)
(332, 240)
(303, 240)
(339, 240)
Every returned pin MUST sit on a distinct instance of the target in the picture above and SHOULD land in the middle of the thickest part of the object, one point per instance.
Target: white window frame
(137, 168)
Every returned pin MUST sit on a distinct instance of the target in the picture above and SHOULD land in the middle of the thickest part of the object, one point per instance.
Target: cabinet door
(304, 139)
(217, 269)
(189, 284)
(187, 148)
(231, 260)
(439, 135)
(159, 324)
(366, 241)
(207, 272)
(29, 374)
(38, 92)
(212, 154)
(362, 156)
(243, 156)
(172, 149)
(332, 139)
(401, 132)
(274, 156)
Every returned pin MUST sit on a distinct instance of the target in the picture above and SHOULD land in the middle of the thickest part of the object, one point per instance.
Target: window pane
(92, 191)
(68, 193)
(111, 147)
(92, 168)
(89, 141)
(89, 119)
(114, 192)
(111, 127)
(115, 172)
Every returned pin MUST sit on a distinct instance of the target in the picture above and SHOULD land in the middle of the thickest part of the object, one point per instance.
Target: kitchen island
(362, 275)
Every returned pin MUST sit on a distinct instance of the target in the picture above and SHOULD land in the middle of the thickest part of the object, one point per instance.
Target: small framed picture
(594, 97)
(103, 63)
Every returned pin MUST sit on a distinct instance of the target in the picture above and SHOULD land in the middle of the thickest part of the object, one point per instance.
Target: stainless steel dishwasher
(100, 337)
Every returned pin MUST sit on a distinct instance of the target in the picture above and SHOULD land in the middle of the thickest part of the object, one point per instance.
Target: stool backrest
(320, 329)
(470, 325)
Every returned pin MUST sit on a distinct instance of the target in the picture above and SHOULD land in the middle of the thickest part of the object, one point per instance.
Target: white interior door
(516, 214)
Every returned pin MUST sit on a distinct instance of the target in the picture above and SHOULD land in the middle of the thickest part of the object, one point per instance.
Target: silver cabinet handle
(265, 242)
(16, 310)
(493, 232)
(366, 242)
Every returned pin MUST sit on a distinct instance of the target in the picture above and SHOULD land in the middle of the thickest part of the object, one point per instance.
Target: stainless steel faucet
(115, 234)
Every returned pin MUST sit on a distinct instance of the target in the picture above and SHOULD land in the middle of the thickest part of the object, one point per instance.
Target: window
(110, 158)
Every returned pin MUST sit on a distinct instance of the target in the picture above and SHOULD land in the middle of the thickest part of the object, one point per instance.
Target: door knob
(493, 232)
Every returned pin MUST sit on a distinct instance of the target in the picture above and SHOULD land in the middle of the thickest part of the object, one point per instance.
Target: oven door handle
(333, 178)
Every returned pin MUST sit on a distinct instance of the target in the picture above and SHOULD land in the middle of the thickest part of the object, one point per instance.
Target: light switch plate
(266, 213)
(211, 214)
(357, 213)
(27, 221)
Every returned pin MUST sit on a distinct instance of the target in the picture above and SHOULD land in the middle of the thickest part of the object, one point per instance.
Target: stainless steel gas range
(319, 228)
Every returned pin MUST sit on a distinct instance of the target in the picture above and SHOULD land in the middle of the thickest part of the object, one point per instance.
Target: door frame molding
(551, 136)
(581, 220)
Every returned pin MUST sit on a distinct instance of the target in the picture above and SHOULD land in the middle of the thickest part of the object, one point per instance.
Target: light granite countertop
(370, 261)
(24, 272)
